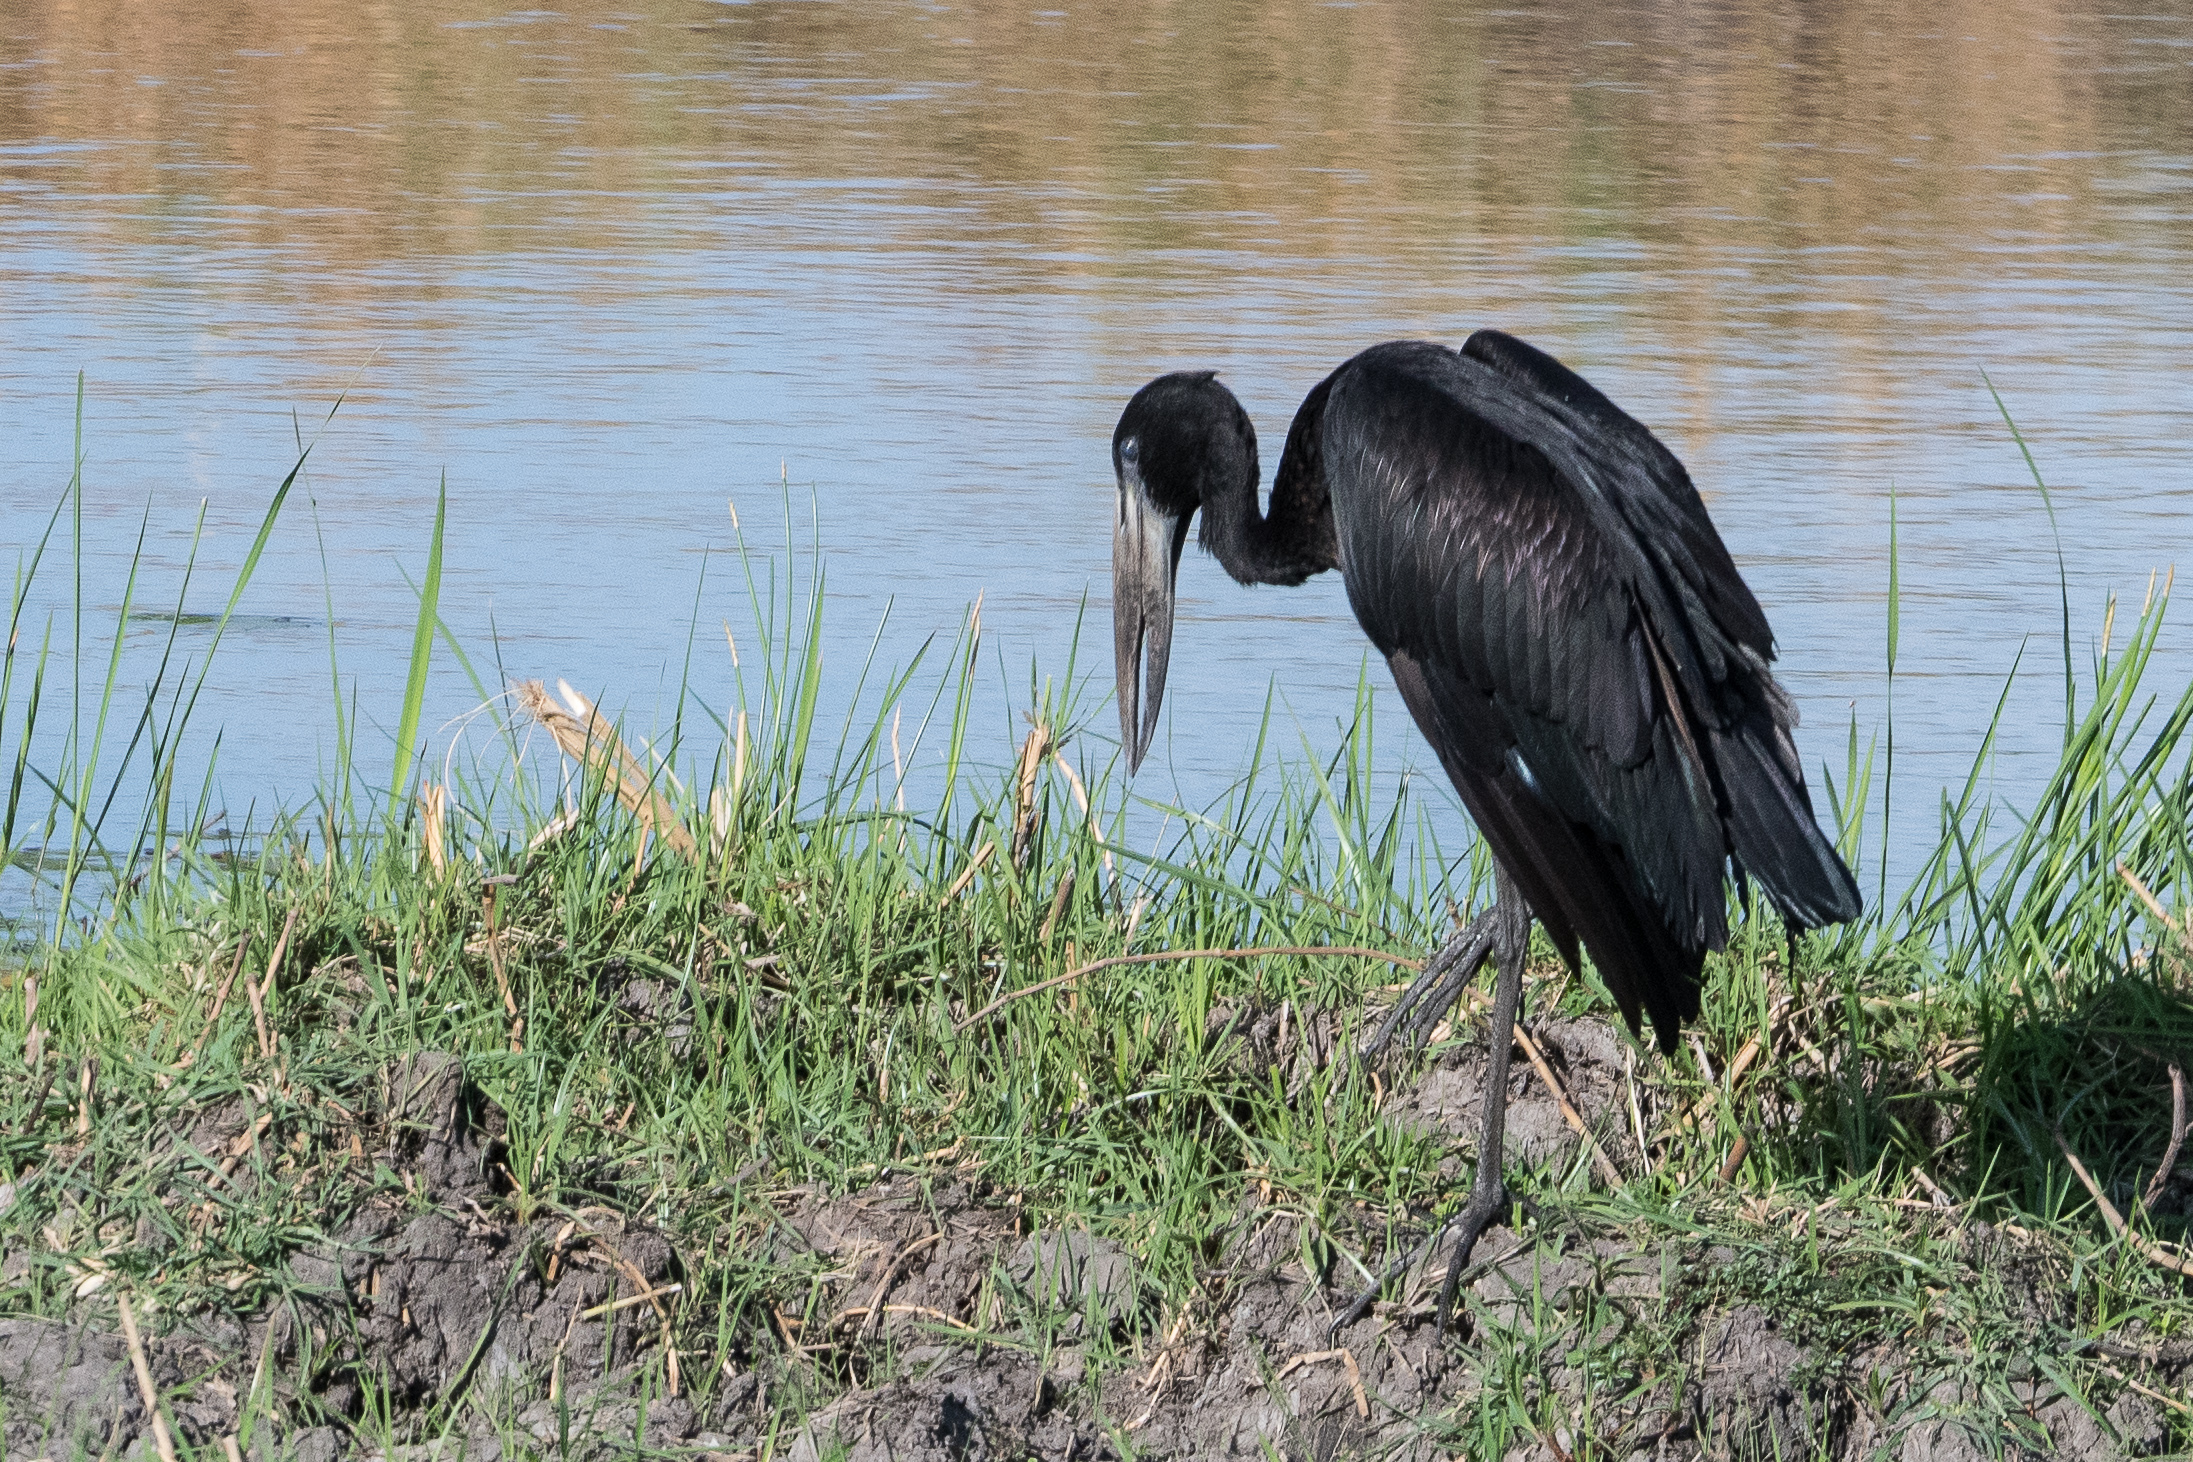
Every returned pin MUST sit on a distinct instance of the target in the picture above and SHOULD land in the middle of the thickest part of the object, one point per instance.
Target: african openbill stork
(1567, 630)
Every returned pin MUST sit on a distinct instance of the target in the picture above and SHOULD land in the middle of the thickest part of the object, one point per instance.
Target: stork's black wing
(1573, 638)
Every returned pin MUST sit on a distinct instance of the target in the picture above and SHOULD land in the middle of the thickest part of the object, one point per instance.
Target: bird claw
(1446, 974)
(1466, 1227)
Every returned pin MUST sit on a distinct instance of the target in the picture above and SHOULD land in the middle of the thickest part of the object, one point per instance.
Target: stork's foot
(1460, 1234)
(1446, 975)
(1466, 1227)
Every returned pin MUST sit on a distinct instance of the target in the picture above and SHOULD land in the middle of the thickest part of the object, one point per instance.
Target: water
(611, 273)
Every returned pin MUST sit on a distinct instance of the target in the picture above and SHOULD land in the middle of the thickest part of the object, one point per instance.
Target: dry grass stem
(553, 829)
(1569, 1114)
(491, 897)
(1081, 797)
(2150, 1392)
(555, 1365)
(220, 999)
(922, 1310)
(264, 990)
(593, 743)
(874, 1307)
(1745, 1055)
(649, 1297)
(243, 1144)
(2177, 1138)
(2155, 1253)
(738, 761)
(1034, 750)
(1637, 1111)
(2154, 906)
(145, 1389)
(719, 821)
(34, 1042)
(259, 1019)
(1355, 1383)
(1357, 951)
(1347, 1358)
(967, 874)
(630, 1270)
(898, 763)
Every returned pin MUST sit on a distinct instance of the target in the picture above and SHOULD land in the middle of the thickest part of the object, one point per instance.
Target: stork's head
(1179, 439)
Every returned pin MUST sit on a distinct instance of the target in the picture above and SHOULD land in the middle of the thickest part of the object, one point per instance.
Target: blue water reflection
(901, 267)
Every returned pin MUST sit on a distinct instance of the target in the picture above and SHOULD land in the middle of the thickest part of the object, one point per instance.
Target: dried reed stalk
(264, 991)
(433, 808)
(2132, 880)
(1081, 795)
(220, 999)
(967, 874)
(593, 743)
(1059, 900)
(1038, 746)
(1745, 1055)
(490, 898)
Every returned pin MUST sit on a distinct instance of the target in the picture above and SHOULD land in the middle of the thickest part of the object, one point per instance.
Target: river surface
(897, 267)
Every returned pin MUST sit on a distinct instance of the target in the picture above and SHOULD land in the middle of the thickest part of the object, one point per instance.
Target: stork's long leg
(1507, 940)
(1489, 1192)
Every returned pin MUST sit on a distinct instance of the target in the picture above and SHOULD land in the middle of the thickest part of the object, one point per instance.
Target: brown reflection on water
(1084, 136)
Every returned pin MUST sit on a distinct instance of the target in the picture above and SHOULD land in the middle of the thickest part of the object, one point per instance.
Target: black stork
(1568, 632)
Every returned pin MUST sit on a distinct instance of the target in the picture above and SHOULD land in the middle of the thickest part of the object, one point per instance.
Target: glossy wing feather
(1705, 614)
(1572, 636)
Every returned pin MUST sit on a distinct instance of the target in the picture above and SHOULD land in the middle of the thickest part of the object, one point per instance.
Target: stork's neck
(1296, 538)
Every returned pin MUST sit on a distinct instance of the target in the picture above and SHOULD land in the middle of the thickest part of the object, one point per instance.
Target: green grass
(831, 943)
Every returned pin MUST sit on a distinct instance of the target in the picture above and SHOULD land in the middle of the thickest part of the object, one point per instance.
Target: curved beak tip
(1146, 546)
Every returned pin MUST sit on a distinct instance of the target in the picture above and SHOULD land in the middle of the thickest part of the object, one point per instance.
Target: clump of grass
(1870, 1144)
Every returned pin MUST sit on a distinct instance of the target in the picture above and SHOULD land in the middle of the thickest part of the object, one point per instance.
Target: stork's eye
(1130, 451)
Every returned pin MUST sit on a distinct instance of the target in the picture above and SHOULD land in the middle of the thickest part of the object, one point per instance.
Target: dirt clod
(440, 1301)
(1753, 1397)
(969, 1410)
(1447, 1100)
(1088, 1277)
(920, 1258)
(67, 1389)
(439, 1126)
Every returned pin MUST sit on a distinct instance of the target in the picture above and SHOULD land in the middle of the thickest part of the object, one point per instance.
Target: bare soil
(922, 1318)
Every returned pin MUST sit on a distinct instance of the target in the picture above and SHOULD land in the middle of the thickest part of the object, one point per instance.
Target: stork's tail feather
(1581, 888)
(1772, 832)
(1640, 961)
